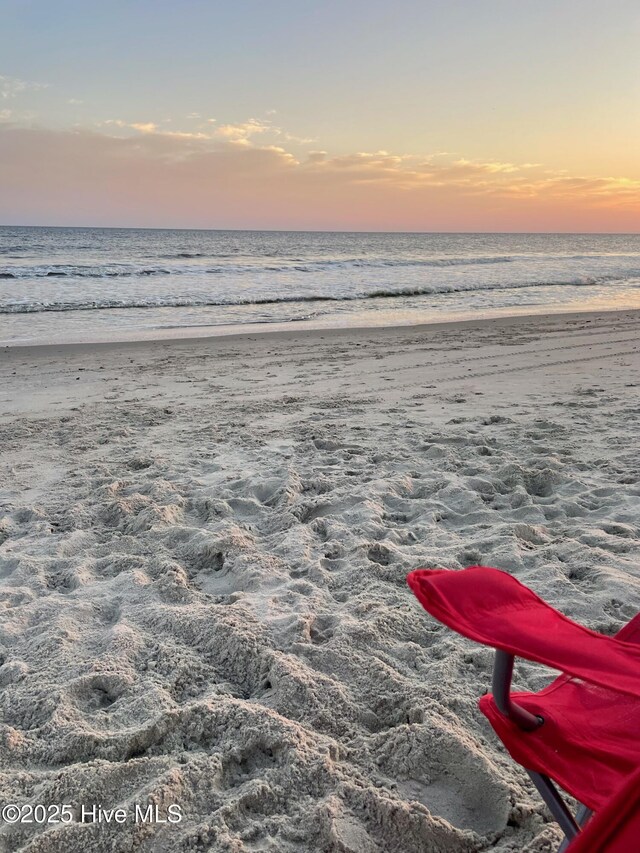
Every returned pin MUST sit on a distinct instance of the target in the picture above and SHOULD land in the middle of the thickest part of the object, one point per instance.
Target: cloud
(207, 179)
(150, 128)
(11, 87)
(145, 127)
(239, 135)
(243, 132)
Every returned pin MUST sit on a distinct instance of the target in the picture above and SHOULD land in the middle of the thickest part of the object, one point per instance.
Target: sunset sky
(457, 115)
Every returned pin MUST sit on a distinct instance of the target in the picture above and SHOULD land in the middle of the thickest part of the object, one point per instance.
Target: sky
(456, 115)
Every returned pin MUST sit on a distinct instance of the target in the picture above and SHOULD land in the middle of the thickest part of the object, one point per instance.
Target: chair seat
(598, 728)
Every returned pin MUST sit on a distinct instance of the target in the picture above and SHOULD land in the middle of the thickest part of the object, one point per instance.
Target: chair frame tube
(555, 804)
(501, 688)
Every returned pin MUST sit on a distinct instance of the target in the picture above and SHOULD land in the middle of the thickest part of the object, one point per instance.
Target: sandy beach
(203, 550)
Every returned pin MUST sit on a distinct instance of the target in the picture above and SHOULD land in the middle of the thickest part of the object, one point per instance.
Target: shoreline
(286, 331)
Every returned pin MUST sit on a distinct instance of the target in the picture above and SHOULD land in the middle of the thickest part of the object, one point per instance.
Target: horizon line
(317, 230)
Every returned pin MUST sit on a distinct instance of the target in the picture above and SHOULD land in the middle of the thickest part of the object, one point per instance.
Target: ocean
(93, 284)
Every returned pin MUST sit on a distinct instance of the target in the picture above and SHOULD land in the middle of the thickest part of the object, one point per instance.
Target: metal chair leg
(555, 804)
(582, 816)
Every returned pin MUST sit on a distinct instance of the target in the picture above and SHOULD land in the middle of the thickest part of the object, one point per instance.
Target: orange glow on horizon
(226, 179)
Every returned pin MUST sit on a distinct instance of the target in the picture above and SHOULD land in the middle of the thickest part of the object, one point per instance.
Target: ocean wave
(180, 255)
(195, 301)
(291, 265)
(63, 271)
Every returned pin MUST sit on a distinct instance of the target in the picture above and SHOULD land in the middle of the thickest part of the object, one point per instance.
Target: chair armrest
(493, 608)
(501, 687)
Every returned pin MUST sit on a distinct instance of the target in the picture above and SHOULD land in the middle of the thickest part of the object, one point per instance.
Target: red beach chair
(582, 731)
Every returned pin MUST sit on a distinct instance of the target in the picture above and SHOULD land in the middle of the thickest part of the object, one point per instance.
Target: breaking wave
(123, 271)
(196, 301)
